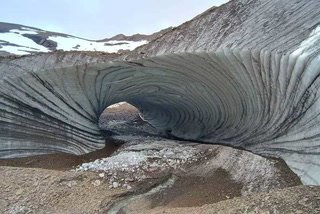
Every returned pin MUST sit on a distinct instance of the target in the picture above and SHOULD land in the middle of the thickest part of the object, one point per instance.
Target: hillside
(252, 24)
(20, 40)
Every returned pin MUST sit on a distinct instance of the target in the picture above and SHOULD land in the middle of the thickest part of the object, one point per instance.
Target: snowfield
(14, 42)
(19, 44)
(73, 43)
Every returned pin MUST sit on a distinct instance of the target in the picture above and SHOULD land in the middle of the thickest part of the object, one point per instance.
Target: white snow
(24, 44)
(24, 31)
(71, 43)
(16, 50)
(21, 45)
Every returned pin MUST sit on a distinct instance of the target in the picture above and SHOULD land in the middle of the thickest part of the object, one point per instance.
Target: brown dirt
(300, 199)
(25, 190)
(61, 161)
(197, 191)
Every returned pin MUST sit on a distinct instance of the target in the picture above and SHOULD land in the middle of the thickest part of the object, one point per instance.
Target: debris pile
(135, 163)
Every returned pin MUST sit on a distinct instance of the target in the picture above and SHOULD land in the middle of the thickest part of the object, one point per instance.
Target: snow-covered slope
(73, 43)
(15, 42)
(20, 40)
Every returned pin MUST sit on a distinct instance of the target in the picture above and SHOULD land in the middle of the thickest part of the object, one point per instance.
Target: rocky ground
(300, 199)
(139, 172)
(142, 177)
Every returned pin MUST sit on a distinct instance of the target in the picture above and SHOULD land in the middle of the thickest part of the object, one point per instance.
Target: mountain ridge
(45, 38)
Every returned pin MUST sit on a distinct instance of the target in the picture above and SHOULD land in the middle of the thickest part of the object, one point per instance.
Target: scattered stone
(115, 184)
(138, 160)
(19, 191)
(71, 184)
(96, 183)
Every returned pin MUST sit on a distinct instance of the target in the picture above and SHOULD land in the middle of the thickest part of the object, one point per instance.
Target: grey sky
(97, 19)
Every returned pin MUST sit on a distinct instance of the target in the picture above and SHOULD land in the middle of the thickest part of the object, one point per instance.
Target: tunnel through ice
(124, 119)
(265, 102)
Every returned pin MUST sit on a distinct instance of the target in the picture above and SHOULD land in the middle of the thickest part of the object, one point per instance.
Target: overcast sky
(98, 19)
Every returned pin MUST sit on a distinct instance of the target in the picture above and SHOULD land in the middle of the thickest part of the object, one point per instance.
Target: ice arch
(263, 101)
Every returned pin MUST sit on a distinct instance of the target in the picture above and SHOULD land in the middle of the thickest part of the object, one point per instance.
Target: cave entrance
(124, 119)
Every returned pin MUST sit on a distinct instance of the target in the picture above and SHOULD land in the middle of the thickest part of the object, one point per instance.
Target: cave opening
(124, 119)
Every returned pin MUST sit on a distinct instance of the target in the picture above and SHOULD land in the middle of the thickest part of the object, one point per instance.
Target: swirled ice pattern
(262, 101)
(257, 89)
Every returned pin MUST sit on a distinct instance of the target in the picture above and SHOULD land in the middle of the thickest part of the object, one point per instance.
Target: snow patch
(21, 45)
(15, 50)
(73, 43)
(24, 31)
(15, 42)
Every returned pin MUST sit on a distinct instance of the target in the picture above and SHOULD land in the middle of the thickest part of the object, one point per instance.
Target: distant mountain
(18, 39)
(139, 37)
